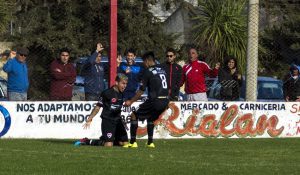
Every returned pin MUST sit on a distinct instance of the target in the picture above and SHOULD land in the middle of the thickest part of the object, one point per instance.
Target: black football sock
(133, 130)
(150, 130)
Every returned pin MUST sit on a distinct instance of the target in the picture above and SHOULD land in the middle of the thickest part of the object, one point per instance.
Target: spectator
(4, 59)
(17, 72)
(291, 85)
(194, 77)
(133, 72)
(93, 73)
(174, 73)
(119, 60)
(63, 75)
(230, 80)
(13, 53)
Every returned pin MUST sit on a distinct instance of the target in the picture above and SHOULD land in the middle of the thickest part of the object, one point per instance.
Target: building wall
(159, 10)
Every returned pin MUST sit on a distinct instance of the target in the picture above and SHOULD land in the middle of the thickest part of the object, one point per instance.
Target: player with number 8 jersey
(154, 78)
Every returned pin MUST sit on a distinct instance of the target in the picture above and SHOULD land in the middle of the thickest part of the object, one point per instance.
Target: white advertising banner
(181, 120)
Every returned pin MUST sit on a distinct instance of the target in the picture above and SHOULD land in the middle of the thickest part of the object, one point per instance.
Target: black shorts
(113, 130)
(152, 109)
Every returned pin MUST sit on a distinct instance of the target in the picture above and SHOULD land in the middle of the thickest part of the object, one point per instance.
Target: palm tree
(221, 29)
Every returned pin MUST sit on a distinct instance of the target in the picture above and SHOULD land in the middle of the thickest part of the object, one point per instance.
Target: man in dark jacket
(291, 85)
(63, 76)
(174, 73)
(93, 73)
(133, 72)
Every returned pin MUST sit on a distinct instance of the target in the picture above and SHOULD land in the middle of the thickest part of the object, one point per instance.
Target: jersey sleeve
(101, 100)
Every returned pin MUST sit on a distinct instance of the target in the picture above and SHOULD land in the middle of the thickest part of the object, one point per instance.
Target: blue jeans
(17, 96)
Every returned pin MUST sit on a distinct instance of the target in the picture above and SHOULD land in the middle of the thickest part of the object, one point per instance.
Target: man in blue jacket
(17, 72)
(133, 72)
(93, 73)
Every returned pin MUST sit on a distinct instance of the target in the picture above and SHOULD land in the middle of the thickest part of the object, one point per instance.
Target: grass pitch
(182, 156)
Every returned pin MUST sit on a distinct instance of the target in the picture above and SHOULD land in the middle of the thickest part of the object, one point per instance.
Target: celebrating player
(154, 78)
(111, 101)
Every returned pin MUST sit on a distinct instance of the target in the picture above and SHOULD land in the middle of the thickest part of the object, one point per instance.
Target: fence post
(252, 50)
(113, 42)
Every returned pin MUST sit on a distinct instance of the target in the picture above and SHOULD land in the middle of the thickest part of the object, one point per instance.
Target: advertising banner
(181, 120)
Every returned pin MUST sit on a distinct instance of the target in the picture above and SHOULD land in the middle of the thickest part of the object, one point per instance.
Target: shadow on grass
(59, 141)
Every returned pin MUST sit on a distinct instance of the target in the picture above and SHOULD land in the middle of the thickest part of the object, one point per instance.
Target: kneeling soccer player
(111, 101)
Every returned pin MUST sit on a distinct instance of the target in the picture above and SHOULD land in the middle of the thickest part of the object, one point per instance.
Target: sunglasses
(169, 56)
(23, 55)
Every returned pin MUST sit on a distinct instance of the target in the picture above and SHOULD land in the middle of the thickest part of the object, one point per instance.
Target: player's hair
(121, 77)
(171, 50)
(65, 49)
(148, 56)
(130, 50)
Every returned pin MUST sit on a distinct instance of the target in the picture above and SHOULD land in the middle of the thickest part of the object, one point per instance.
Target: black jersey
(154, 78)
(111, 101)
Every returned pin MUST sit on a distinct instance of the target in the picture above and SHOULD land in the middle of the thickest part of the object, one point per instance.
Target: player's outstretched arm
(90, 119)
(138, 94)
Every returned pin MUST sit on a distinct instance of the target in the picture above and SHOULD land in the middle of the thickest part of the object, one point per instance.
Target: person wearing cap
(17, 71)
(3, 61)
(63, 76)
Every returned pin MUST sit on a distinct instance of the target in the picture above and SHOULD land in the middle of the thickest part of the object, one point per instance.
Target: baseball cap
(23, 51)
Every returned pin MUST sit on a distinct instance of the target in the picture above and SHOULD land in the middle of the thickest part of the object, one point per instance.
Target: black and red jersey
(111, 101)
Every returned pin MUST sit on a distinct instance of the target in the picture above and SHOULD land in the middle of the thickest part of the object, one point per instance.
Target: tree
(138, 28)
(5, 15)
(46, 26)
(280, 37)
(221, 29)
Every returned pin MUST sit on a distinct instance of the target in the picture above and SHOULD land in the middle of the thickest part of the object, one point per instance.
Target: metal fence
(44, 27)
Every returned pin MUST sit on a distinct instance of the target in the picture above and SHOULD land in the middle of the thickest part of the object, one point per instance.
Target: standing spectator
(63, 76)
(133, 72)
(93, 73)
(174, 73)
(17, 72)
(194, 77)
(154, 78)
(291, 85)
(230, 80)
(4, 59)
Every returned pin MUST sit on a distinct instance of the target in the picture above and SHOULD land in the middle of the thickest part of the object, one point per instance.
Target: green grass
(186, 156)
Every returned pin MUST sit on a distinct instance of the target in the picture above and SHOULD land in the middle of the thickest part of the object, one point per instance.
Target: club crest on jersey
(109, 135)
(113, 100)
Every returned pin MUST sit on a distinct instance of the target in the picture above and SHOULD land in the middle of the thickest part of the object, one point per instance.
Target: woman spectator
(230, 80)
